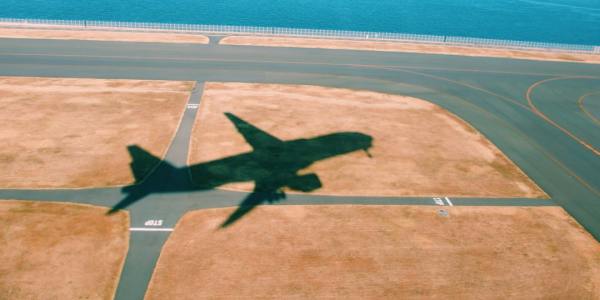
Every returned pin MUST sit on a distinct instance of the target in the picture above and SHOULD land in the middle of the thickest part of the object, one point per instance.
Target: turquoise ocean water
(560, 21)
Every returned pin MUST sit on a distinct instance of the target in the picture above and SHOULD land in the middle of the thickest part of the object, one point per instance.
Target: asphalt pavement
(531, 110)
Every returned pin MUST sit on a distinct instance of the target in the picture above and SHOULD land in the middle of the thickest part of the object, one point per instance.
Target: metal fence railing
(297, 32)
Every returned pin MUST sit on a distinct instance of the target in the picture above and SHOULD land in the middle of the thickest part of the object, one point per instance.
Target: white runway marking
(448, 200)
(149, 229)
(438, 201)
(192, 106)
(153, 223)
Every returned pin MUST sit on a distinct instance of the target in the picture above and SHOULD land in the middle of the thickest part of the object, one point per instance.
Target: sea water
(560, 21)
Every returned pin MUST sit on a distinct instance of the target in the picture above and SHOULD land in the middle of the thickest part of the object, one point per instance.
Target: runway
(531, 110)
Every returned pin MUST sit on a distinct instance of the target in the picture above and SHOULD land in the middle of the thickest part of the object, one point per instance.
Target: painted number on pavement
(153, 223)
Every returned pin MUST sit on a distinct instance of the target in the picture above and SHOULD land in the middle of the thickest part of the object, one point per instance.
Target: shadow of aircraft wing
(254, 136)
(128, 200)
(271, 192)
(253, 200)
(260, 195)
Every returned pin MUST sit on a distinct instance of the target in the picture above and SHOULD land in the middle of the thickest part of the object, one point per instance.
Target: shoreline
(132, 34)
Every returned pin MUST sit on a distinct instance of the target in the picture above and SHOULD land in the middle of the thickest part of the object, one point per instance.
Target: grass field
(379, 252)
(533, 54)
(60, 132)
(419, 149)
(56, 250)
(99, 35)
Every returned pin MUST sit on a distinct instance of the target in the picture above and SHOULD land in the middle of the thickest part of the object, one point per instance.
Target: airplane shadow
(273, 165)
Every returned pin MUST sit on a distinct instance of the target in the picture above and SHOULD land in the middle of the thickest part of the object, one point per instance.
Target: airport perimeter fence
(305, 33)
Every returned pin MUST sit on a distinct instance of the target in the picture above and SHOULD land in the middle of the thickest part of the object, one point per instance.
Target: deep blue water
(561, 21)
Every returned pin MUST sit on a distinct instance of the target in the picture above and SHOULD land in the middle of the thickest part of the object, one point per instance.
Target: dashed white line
(149, 229)
(448, 200)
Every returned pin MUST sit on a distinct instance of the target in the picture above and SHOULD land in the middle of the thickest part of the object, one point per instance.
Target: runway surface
(542, 115)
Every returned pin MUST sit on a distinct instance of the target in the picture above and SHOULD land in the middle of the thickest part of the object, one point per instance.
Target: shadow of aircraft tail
(152, 175)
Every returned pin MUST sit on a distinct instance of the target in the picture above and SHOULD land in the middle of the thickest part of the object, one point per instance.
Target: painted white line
(448, 200)
(192, 106)
(438, 201)
(149, 229)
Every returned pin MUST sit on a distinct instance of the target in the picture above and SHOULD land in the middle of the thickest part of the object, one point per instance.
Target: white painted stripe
(438, 201)
(149, 229)
(448, 199)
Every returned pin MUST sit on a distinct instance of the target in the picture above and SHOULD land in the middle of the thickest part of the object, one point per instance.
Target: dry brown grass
(60, 251)
(419, 148)
(101, 35)
(407, 47)
(377, 252)
(59, 132)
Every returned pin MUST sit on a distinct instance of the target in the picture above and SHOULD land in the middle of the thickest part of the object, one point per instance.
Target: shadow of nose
(366, 141)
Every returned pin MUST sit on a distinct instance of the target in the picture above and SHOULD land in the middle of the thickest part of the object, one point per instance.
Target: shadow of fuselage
(272, 165)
